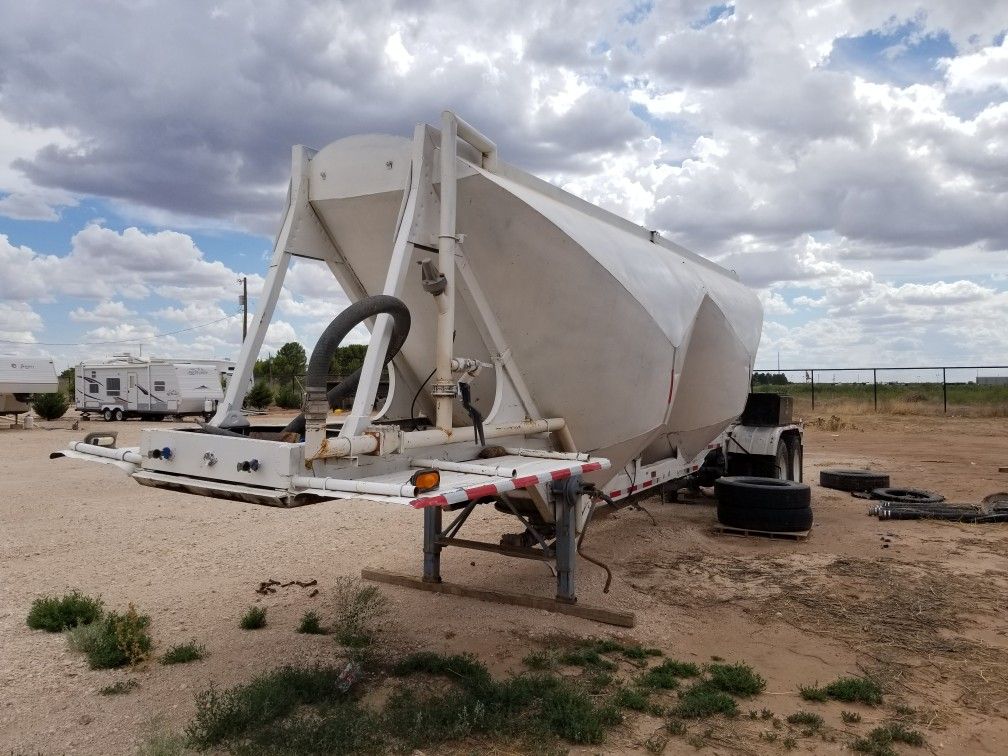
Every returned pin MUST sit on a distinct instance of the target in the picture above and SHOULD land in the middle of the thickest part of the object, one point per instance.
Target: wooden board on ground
(608, 616)
(796, 536)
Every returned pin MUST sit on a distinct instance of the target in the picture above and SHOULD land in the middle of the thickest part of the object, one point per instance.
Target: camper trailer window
(159, 385)
(92, 388)
(112, 386)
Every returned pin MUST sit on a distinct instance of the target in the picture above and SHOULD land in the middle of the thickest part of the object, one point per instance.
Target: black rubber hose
(332, 337)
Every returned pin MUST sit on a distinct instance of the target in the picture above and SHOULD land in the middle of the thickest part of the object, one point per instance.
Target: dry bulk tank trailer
(545, 357)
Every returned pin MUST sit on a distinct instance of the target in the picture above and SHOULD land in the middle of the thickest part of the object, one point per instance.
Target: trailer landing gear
(560, 557)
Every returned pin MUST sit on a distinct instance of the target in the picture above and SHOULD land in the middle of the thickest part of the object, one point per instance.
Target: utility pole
(243, 300)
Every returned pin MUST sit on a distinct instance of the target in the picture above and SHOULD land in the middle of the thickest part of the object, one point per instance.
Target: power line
(119, 341)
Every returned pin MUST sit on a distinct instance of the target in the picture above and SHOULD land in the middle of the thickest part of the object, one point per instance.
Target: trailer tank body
(641, 345)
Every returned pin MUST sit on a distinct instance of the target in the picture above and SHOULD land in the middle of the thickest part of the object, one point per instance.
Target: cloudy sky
(848, 159)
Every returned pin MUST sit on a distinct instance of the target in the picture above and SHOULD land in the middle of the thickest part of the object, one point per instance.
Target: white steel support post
(374, 360)
(452, 127)
(229, 411)
(444, 387)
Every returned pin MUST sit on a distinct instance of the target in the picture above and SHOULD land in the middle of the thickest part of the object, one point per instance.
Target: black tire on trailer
(796, 459)
(853, 480)
(118, 414)
(767, 520)
(761, 493)
(907, 496)
(782, 461)
(107, 414)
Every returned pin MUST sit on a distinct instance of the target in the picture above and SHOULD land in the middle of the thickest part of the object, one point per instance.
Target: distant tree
(50, 406)
(770, 379)
(67, 381)
(259, 396)
(290, 361)
(263, 368)
(347, 359)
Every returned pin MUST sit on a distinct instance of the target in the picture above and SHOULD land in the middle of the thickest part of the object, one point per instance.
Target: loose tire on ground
(907, 495)
(853, 480)
(762, 493)
(767, 520)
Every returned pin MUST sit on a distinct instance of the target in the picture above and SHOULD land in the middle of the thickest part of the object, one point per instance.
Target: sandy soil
(921, 604)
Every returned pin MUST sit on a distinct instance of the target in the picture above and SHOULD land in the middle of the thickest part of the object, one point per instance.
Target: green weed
(115, 641)
(738, 679)
(254, 618)
(183, 653)
(119, 688)
(311, 624)
(70, 610)
(703, 699)
(358, 610)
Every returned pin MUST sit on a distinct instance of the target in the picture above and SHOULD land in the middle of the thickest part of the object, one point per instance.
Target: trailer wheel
(761, 493)
(766, 520)
(853, 480)
(795, 459)
(907, 496)
(118, 414)
(107, 414)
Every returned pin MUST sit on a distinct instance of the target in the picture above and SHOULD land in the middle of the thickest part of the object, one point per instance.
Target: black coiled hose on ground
(321, 356)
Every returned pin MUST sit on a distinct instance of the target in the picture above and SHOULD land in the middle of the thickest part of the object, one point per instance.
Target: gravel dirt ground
(920, 605)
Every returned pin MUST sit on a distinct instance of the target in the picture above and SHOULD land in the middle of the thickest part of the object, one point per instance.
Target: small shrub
(57, 614)
(738, 679)
(259, 396)
(789, 743)
(703, 700)
(358, 609)
(586, 657)
(539, 660)
(254, 618)
(183, 653)
(850, 717)
(288, 398)
(115, 641)
(666, 675)
(806, 719)
(50, 406)
(635, 699)
(879, 741)
(813, 693)
(119, 688)
(311, 624)
(855, 690)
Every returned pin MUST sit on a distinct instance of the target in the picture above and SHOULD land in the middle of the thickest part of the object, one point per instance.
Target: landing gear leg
(565, 497)
(431, 549)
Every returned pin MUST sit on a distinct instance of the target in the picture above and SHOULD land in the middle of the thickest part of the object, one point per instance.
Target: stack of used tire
(766, 505)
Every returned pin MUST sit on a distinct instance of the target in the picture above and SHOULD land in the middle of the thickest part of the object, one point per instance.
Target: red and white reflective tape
(458, 495)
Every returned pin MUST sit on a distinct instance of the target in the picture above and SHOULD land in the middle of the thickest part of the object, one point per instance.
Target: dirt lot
(920, 605)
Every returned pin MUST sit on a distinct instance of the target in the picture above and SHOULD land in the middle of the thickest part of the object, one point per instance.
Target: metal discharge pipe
(353, 486)
(120, 455)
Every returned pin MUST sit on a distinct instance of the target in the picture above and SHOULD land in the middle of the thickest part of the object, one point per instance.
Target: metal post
(565, 496)
(813, 388)
(944, 391)
(874, 378)
(432, 551)
(244, 307)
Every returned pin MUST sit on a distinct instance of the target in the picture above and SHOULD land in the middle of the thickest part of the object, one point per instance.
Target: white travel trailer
(20, 377)
(125, 386)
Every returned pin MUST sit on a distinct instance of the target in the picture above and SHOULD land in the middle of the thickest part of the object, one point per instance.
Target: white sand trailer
(20, 377)
(543, 352)
(125, 387)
